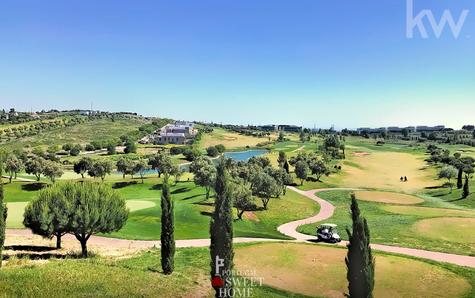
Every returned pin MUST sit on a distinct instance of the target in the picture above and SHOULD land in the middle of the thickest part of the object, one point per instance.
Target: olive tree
(35, 166)
(265, 187)
(448, 172)
(301, 171)
(162, 163)
(13, 165)
(242, 199)
(100, 168)
(205, 173)
(82, 166)
(141, 167)
(52, 170)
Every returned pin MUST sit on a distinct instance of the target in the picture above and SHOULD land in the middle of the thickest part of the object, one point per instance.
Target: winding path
(289, 229)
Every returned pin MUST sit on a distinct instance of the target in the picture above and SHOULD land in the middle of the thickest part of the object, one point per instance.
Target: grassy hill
(83, 133)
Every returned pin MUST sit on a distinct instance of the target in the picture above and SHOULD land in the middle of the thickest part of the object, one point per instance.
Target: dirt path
(114, 246)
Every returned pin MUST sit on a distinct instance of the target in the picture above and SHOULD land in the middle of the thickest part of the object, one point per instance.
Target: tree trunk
(11, 177)
(83, 248)
(38, 177)
(265, 201)
(123, 176)
(82, 175)
(58, 241)
(239, 213)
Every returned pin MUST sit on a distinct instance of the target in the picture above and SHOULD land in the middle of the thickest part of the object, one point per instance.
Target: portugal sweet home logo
(420, 20)
(235, 283)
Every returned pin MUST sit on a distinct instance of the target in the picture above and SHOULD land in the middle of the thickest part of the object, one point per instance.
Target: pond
(237, 156)
(244, 155)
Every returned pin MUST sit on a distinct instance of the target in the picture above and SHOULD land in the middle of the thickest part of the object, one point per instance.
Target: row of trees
(35, 127)
(253, 178)
(34, 165)
(455, 166)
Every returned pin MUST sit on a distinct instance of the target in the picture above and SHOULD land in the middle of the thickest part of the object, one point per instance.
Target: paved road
(289, 229)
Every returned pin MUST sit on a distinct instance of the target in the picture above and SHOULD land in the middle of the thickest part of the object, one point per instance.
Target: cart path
(289, 229)
(326, 211)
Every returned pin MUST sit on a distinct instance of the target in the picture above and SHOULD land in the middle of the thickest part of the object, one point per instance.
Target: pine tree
(221, 232)
(359, 260)
(466, 189)
(3, 215)
(167, 237)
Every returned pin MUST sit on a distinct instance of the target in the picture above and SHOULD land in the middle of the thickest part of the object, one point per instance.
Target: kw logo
(417, 21)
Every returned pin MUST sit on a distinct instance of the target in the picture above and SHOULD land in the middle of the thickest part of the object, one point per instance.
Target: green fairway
(15, 215)
(391, 224)
(192, 211)
(22, 191)
(455, 197)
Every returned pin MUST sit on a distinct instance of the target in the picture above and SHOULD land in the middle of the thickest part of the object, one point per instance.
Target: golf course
(420, 233)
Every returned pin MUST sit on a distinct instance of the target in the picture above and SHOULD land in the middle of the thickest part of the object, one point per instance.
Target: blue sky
(306, 62)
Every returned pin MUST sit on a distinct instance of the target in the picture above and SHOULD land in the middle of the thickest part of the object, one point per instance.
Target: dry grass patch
(452, 229)
(387, 197)
(316, 270)
(382, 170)
(230, 140)
(428, 211)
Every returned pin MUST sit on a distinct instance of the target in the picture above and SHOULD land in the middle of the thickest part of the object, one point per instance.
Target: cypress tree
(466, 189)
(459, 177)
(3, 215)
(167, 237)
(359, 260)
(221, 232)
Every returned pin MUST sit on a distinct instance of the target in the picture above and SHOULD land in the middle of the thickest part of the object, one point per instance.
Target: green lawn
(192, 211)
(456, 196)
(391, 227)
(138, 276)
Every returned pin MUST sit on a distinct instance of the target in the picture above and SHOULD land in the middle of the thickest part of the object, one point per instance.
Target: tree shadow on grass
(156, 187)
(435, 187)
(118, 185)
(42, 256)
(29, 248)
(206, 213)
(203, 203)
(192, 197)
(455, 200)
(180, 190)
(33, 186)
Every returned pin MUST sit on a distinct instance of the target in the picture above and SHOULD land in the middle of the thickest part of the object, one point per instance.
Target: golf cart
(328, 233)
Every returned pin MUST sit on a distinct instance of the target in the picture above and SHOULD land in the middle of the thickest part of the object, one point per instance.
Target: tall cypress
(466, 189)
(221, 232)
(359, 260)
(167, 237)
(3, 214)
(459, 177)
